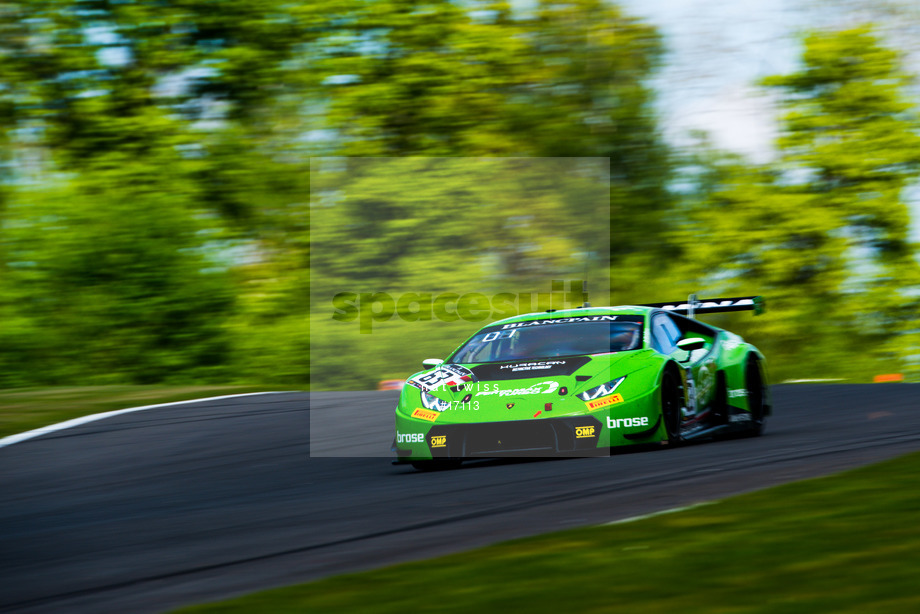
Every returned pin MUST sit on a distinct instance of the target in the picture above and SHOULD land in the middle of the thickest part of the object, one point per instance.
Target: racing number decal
(445, 375)
(499, 334)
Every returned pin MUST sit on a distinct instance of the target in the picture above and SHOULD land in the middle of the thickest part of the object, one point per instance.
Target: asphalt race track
(152, 510)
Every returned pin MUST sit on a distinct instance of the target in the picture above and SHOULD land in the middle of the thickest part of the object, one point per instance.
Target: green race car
(577, 382)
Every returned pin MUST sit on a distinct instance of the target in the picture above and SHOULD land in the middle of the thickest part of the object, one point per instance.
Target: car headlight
(432, 402)
(602, 390)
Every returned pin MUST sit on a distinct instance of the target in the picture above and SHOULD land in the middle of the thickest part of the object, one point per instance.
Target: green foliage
(823, 232)
(429, 78)
(156, 180)
(201, 122)
(411, 77)
(427, 227)
(850, 127)
(161, 115)
(107, 280)
(409, 220)
(142, 55)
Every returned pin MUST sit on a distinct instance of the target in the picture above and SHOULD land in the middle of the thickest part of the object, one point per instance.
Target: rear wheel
(756, 395)
(670, 405)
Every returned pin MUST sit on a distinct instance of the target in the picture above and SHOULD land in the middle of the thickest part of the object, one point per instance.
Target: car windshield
(550, 338)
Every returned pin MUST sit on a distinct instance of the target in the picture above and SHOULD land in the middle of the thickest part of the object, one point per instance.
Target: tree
(824, 231)
(209, 113)
(854, 133)
(567, 79)
(109, 264)
(106, 283)
(396, 234)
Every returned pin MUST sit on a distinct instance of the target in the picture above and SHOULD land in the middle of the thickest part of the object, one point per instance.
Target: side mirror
(692, 343)
(431, 362)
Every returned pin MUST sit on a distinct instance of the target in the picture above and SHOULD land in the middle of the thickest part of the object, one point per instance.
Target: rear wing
(714, 305)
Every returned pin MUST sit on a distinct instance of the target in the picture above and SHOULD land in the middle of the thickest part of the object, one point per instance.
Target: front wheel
(670, 406)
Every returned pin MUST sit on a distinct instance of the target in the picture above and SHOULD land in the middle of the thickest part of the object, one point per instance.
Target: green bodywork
(715, 374)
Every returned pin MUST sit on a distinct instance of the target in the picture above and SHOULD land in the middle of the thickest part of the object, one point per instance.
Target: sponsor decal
(533, 366)
(444, 376)
(475, 386)
(616, 423)
(739, 418)
(409, 437)
(541, 388)
(740, 393)
(561, 321)
(690, 409)
(598, 403)
(439, 441)
(582, 432)
(705, 381)
(742, 302)
(425, 414)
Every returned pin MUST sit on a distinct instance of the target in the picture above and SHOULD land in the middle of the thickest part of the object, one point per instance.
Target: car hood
(524, 389)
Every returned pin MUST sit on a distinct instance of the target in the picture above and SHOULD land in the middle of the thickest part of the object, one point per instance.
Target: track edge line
(60, 426)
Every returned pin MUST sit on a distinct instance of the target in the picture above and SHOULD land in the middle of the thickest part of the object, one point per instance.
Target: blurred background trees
(824, 230)
(154, 207)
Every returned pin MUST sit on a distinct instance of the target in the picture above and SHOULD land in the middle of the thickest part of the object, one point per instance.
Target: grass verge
(25, 409)
(846, 543)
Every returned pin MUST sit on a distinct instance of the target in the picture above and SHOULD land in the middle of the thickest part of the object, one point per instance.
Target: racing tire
(756, 396)
(670, 406)
(437, 465)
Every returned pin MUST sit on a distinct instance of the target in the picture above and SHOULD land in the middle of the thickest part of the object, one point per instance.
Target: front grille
(526, 438)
